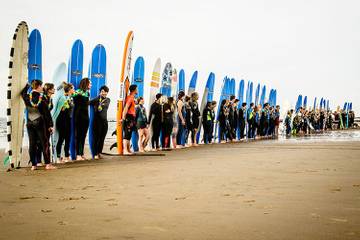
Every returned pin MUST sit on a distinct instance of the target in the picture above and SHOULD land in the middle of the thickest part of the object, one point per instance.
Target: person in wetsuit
(180, 107)
(63, 116)
(142, 124)
(242, 120)
(100, 104)
(129, 118)
(81, 116)
(155, 121)
(38, 119)
(208, 117)
(194, 105)
(168, 115)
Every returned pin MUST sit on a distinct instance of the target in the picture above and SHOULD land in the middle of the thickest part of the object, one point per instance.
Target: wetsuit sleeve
(105, 104)
(44, 110)
(25, 95)
(93, 101)
(151, 113)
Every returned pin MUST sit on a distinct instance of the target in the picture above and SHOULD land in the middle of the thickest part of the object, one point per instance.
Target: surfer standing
(100, 127)
(155, 120)
(128, 116)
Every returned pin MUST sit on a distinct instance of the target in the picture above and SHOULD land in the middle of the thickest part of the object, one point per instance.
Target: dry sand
(260, 190)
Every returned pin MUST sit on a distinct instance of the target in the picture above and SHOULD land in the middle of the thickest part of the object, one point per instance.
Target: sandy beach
(258, 190)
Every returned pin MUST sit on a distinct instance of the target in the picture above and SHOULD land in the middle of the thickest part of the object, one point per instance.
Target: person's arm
(57, 108)
(25, 95)
(126, 108)
(93, 101)
(179, 109)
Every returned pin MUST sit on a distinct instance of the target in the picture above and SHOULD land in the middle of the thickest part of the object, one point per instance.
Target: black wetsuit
(195, 119)
(38, 118)
(155, 117)
(81, 120)
(208, 118)
(100, 126)
(63, 125)
(242, 123)
(168, 123)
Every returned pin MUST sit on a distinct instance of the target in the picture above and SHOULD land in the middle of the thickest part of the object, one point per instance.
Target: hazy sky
(310, 47)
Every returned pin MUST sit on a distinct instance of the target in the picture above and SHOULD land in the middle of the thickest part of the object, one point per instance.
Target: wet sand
(258, 190)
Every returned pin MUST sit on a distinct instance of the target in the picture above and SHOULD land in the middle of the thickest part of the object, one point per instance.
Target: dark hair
(243, 104)
(84, 84)
(36, 83)
(67, 87)
(139, 99)
(223, 102)
(47, 87)
(187, 98)
(181, 94)
(194, 94)
(213, 102)
(158, 96)
(232, 97)
(252, 104)
(236, 100)
(132, 87)
(170, 100)
(105, 88)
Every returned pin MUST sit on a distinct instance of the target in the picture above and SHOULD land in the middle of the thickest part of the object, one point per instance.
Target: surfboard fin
(114, 133)
(113, 146)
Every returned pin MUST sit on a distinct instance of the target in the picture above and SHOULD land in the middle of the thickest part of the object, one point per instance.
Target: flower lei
(35, 105)
(101, 100)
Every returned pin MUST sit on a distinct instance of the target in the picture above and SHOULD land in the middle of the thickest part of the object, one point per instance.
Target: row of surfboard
(26, 65)
(324, 104)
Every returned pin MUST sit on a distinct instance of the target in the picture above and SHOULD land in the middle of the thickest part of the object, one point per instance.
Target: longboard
(166, 80)
(192, 84)
(35, 56)
(58, 78)
(98, 79)
(138, 80)
(75, 73)
(181, 84)
(155, 82)
(123, 91)
(18, 74)
(223, 96)
(257, 94)
(241, 101)
(263, 94)
(207, 97)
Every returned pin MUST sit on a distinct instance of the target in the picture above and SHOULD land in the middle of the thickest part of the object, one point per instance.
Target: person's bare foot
(50, 167)
(33, 168)
(79, 158)
(96, 157)
(39, 164)
(126, 153)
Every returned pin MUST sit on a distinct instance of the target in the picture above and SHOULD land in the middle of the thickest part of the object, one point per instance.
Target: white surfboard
(18, 74)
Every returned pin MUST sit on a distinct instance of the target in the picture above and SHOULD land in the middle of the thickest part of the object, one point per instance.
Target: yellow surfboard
(124, 88)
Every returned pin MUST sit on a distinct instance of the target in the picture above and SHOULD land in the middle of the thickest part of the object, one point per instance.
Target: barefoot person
(62, 115)
(142, 125)
(100, 127)
(129, 121)
(155, 121)
(81, 116)
(38, 118)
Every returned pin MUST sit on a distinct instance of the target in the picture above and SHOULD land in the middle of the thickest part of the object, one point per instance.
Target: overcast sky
(309, 47)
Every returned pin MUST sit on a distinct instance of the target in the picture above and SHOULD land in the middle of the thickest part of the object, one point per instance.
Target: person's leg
(32, 145)
(103, 136)
(61, 132)
(67, 134)
(44, 142)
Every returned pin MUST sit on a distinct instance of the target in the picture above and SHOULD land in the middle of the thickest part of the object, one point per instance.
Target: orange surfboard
(124, 88)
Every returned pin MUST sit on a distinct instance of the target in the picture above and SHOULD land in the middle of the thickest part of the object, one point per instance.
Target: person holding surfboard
(180, 107)
(195, 117)
(168, 111)
(81, 116)
(242, 120)
(62, 114)
(100, 104)
(129, 118)
(208, 118)
(38, 119)
(142, 124)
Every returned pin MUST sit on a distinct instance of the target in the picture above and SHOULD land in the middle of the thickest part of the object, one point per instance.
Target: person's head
(213, 103)
(181, 95)
(170, 100)
(140, 100)
(49, 89)
(36, 85)
(223, 102)
(278, 107)
(85, 84)
(252, 105)
(194, 96)
(104, 90)
(232, 98)
(68, 88)
(208, 105)
(243, 105)
(157, 97)
(133, 89)
(187, 98)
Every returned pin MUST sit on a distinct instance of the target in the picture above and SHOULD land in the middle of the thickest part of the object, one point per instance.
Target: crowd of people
(169, 123)
(305, 121)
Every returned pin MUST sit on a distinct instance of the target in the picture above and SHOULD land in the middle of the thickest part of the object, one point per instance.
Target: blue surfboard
(251, 93)
(35, 56)
(75, 73)
(181, 81)
(257, 94)
(166, 80)
(207, 97)
(315, 100)
(192, 84)
(97, 76)
(138, 80)
(241, 100)
(263, 94)
(275, 96)
(298, 103)
(305, 102)
(232, 87)
(222, 97)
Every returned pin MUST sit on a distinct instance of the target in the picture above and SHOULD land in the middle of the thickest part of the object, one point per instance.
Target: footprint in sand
(356, 185)
(180, 198)
(226, 195)
(70, 208)
(72, 198)
(339, 220)
(110, 199)
(314, 215)
(337, 189)
(62, 223)
(249, 201)
(26, 197)
(86, 187)
(46, 210)
(112, 204)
